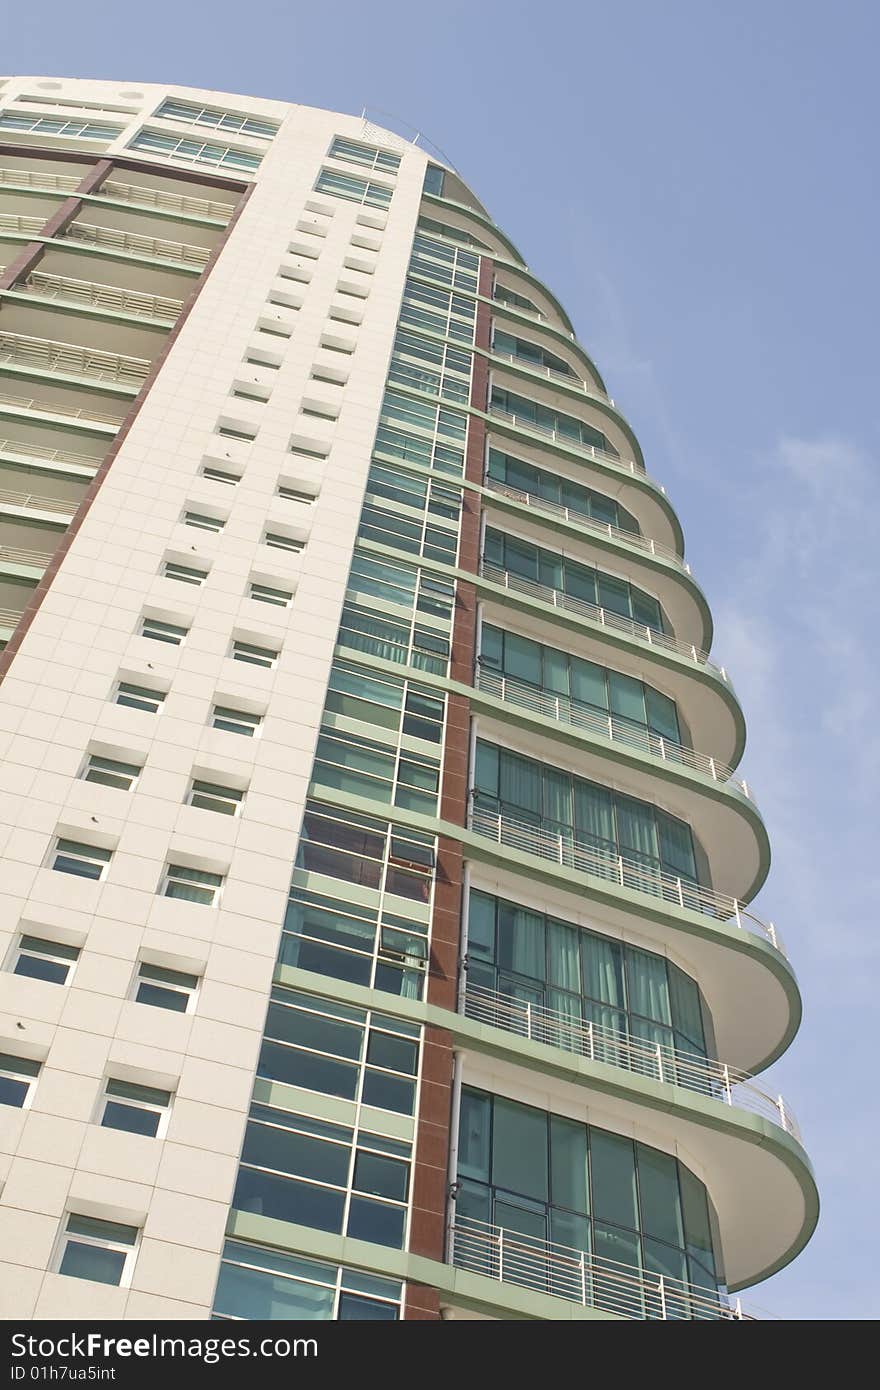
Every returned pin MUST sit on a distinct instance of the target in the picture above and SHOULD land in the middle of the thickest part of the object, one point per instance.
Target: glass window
(186, 574)
(210, 796)
(356, 190)
(264, 593)
(189, 113)
(202, 521)
(236, 721)
(18, 1076)
(254, 655)
(76, 857)
(256, 1283)
(110, 773)
(165, 989)
(102, 1251)
(353, 152)
(192, 885)
(139, 697)
(40, 959)
(135, 1109)
(278, 541)
(220, 475)
(194, 151)
(163, 632)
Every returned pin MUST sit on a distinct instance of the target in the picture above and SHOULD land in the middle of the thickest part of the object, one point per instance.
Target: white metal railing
(37, 451)
(14, 222)
(49, 355)
(39, 178)
(553, 374)
(32, 501)
(565, 1272)
(166, 202)
(566, 710)
(603, 616)
(589, 523)
(157, 247)
(520, 422)
(9, 617)
(14, 556)
(61, 411)
(658, 1061)
(611, 867)
(63, 288)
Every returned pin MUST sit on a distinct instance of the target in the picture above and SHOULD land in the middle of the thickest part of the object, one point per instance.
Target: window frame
(129, 1250)
(108, 1098)
(57, 851)
(189, 992)
(20, 949)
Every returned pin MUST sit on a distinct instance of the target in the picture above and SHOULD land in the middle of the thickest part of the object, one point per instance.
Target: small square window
(76, 857)
(192, 885)
(247, 436)
(281, 542)
(187, 574)
(18, 1076)
(256, 656)
(40, 959)
(139, 697)
(102, 1251)
(293, 494)
(264, 593)
(202, 521)
(219, 475)
(236, 721)
(163, 632)
(210, 796)
(111, 773)
(165, 989)
(135, 1109)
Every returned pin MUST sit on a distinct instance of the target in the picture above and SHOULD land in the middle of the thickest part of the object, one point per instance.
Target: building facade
(374, 872)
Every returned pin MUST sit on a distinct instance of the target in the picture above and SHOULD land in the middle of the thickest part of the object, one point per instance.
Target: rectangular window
(234, 122)
(187, 574)
(75, 857)
(194, 151)
(236, 721)
(18, 1076)
(257, 1283)
(102, 1251)
(166, 989)
(163, 632)
(111, 773)
(139, 697)
(210, 796)
(135, 1109)
(192, 885)
(219, 475)
(202, 521)
(40, 959)
(264, 593)
(368, 155)
(255, 656)
(281, 542)
(51, 125)
(376, 195)
(292, 494)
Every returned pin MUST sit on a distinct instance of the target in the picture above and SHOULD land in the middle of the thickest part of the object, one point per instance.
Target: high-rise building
(374, 872)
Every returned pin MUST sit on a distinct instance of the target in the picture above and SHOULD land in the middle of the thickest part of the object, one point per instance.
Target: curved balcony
(700, 1075)
(91, 295)
(133, 244)
(620, 870)
(565, 1272)
(520, 422)
(47, 355)
(567, 379)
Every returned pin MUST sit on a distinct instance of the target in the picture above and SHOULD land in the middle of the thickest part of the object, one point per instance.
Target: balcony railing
(62, 412)
(616, 622)
(521, 422)
(594, 1282)
(67, 290)
(48, 355)
(588, 523)
(39, 178)
(598, 862)
(14, 222)
(580, 715)
(30, 452)
(9, 617)
(657, 1061)
(32, 501)
(142, 197)
(552, 374)
(158, 248)
(13, 556)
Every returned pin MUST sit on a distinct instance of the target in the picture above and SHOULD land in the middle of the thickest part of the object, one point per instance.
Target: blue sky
(696, 180)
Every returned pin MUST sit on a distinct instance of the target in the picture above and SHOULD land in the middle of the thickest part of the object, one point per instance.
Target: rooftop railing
(657, 1061)
(547, 1267)
(599, 862)
(580, 715)
(521, 422)
(158, 248)
(48, 355)
(615, 622)
(67, 290)
(62, 412)
(588, 523)
(158, 198)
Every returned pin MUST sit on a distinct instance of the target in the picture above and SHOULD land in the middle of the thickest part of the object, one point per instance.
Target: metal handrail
(31, 500)
(38, 178)
(167, 202)
(658, 1061)
(610, 867)
(556, 598)
(62, 287)
(545, 432)
(547, 1267)
(69, 357)
(24, 557)
(9, 617)
(553, 374)
(589, 523)
(567, 710)
(62, 412)
(38, 451)
(15, 222)
(159, 248)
